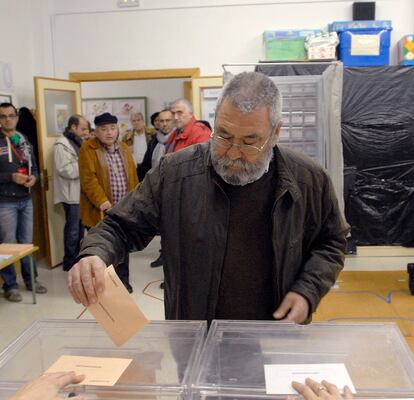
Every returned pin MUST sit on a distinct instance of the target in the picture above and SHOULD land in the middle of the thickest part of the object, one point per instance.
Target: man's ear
(275, 137)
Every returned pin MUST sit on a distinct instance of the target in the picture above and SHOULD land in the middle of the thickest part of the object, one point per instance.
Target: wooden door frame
(135, 75)
(43, 173)
(198, 84)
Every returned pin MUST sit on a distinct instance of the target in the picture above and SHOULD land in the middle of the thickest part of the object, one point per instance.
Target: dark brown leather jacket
(183, 200)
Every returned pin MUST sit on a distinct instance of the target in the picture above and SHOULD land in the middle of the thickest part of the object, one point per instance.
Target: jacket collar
(96, 144)
(286, 180)
(188, 128)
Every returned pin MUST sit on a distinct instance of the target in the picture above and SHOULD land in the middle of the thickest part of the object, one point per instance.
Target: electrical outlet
(128, 3)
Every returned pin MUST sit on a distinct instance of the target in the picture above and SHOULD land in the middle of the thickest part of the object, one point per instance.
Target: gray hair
(138, 114)
(183, 101)
(249, 91)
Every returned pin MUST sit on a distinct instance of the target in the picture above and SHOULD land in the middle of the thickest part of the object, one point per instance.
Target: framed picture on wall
(59, 106)
(6, 98)
(61, 117)
(206, 92)
(122, 107)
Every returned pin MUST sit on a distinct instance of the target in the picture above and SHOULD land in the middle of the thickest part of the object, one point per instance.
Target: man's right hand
(86, 280)
(19, 178)
(105, 206)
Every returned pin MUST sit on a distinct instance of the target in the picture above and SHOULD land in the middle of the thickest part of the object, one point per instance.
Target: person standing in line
(18, 174)
(137, 139)
(66, 184)
(156, 149)
(188, 131)
(107, 174)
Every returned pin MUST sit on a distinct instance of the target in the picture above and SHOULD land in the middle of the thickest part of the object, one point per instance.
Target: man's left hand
(294, 308)
(31, 180)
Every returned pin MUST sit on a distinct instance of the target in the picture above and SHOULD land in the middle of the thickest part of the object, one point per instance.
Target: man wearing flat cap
(107, 173)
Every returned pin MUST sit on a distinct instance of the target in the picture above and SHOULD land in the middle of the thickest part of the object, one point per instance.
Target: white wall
(157, 91)
(202, 33)
(16, 47)
(55, 37)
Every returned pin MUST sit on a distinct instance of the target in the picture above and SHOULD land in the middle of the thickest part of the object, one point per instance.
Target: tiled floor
(57, 303)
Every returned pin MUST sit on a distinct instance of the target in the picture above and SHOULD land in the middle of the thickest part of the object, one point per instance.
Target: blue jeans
(73, 234)
(16, 226)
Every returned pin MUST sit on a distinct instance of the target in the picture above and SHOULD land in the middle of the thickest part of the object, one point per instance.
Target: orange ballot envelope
(98, 371)
(116, 311)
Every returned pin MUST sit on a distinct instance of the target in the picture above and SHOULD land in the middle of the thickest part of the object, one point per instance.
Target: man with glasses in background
(251, 230)
(18, 174)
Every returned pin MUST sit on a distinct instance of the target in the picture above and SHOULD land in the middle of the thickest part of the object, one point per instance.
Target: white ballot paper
(279, 377)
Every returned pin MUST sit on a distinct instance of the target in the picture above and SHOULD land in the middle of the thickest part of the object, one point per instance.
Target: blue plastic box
(363, 43)
(347, 50)
(340, 26)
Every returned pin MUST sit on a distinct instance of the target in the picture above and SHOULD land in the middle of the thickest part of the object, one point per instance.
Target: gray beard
(247, 172)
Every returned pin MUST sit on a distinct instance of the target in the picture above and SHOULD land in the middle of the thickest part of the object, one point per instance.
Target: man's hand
(47, 386)
(20, 179)
(86, 280)
(312, 390)
(294, 308)
(105, 206)
(30, 181)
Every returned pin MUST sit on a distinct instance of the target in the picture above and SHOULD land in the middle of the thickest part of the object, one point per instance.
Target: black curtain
(378, 145)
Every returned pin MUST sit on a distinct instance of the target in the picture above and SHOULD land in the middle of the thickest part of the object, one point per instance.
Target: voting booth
(232, 365)
(163, 356)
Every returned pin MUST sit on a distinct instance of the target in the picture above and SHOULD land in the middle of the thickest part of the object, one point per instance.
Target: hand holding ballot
(107, 299)
(86, 280)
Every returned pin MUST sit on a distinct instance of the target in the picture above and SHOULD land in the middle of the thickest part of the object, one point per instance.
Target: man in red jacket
(188, 130)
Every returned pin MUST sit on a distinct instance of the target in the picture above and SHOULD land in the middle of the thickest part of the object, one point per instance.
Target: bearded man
(250, 230)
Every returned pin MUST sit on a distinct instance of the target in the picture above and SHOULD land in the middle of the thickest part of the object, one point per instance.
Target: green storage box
(286, 45)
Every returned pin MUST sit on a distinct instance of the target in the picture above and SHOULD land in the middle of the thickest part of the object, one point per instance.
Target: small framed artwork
(206, 92)
(6, 98)
(61, 114)
(122, 107)
(59, 106)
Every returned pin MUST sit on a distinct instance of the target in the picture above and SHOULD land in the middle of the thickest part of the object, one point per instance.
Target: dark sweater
(248, 261)
(10, 191)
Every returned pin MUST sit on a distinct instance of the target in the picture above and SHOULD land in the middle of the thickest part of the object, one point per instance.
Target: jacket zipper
(278, 276)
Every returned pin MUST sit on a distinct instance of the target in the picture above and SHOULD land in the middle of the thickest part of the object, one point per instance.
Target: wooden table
(17, 252)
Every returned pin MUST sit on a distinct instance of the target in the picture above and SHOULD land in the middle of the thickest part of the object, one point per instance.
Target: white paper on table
(279, 377)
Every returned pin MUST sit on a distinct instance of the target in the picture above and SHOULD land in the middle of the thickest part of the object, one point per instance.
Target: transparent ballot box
(163, 355)
(231, 366)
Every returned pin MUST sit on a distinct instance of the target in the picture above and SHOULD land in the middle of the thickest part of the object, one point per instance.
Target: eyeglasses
(11, 116)
(247, 149)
